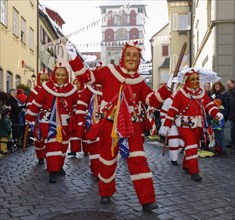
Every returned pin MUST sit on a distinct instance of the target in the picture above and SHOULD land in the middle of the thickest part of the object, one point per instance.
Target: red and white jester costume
(55, 102)
(87, 114)
(187, 111)
(122, 79)
(39, 144)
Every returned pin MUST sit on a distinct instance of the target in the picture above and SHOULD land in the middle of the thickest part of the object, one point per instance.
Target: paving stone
(24, 189)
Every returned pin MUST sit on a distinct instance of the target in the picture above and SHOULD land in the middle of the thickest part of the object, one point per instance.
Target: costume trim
(81, 71)
(49, 90)
(54, 153)
(188, 95)
(53, 140)
(191, 147)
(91, 142)
(31, 113)
(137, 154)
(36, 148)
(110, 179)
(36, 103)
(108, 162)
(82, 103)
(159, 98)
(122, 79)
(94, 157)
(213, 108)
(141, 176)
(80, 112)
(73, 138)
(177, 110)
(34, 91)
(94, 91)
(191, 157)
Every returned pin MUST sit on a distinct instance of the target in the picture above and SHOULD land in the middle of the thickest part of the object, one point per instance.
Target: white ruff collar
(49, 90)
(197, 96)
(120, 78)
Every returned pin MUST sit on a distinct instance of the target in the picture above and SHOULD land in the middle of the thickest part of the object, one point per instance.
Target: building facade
(214, 37)
(120, 23)
(160, 50)
(18, 43)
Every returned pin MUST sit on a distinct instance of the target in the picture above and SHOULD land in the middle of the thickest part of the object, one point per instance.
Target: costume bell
(39, 144)
(123, 88)
(55, 102)
(188, 112)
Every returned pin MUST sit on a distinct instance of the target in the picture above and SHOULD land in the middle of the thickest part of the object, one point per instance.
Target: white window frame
(31, 38)
(181, 22)
(3, 12)
(15, 22)
(23, 30)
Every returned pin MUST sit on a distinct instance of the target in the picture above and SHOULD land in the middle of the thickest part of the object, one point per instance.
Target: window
(140, 10)
(23, 30)
(15, 22)
(165, 51)
(18, 80)
(181, 22)
(3, 12)
(31, 38)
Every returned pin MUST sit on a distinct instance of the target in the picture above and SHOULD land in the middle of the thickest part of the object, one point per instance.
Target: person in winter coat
(54, 102)
(5, 122)
(123, 89)
(39, 144)
(188, 112)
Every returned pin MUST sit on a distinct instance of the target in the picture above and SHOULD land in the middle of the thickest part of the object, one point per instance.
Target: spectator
(230, 110)
(14, 113)
(218, 128)
(217, 92)
(5, 122)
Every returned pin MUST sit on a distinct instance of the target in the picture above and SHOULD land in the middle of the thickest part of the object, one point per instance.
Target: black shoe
(228, 145)
(105, 199)
(72, 153)
(40, 161)
(196, 177)
(52, 177)
(186, 170)
(62, 172)
(175, 163)
(149, 207)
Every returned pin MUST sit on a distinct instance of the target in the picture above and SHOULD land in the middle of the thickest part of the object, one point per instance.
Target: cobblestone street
(26, 194)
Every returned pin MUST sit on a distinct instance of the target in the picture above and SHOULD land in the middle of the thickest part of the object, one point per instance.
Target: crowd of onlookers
(13, 108)
(12, 112)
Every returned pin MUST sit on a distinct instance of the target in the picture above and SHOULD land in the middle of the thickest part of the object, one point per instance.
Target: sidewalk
(26, 194)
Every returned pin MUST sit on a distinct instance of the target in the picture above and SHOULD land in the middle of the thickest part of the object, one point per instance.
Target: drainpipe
(37, 65)
(190, 32)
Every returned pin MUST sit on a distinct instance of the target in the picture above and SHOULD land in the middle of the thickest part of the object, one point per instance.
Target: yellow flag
(114, 133)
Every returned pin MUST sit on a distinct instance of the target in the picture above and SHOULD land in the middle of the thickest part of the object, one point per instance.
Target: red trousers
(191, 138)
(141, 175)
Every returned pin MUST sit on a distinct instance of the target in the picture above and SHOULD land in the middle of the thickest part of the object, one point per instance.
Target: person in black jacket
(14, 113)
(230, 110)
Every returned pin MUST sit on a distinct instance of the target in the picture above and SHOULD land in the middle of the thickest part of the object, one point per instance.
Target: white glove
(171, 80)
(219, 116)
(213, 96)
(163, 130)
(71, 50)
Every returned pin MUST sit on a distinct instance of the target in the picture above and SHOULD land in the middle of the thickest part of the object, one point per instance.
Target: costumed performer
(122, 88)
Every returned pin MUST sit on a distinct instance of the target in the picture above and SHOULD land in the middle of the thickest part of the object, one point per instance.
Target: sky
(79, 14)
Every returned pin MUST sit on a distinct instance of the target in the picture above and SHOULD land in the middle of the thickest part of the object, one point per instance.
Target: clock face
(121, 34)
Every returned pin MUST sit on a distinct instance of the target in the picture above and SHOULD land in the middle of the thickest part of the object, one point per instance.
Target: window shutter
(175, 22)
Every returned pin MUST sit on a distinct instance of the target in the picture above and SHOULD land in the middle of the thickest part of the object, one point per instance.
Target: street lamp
(33, 78)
